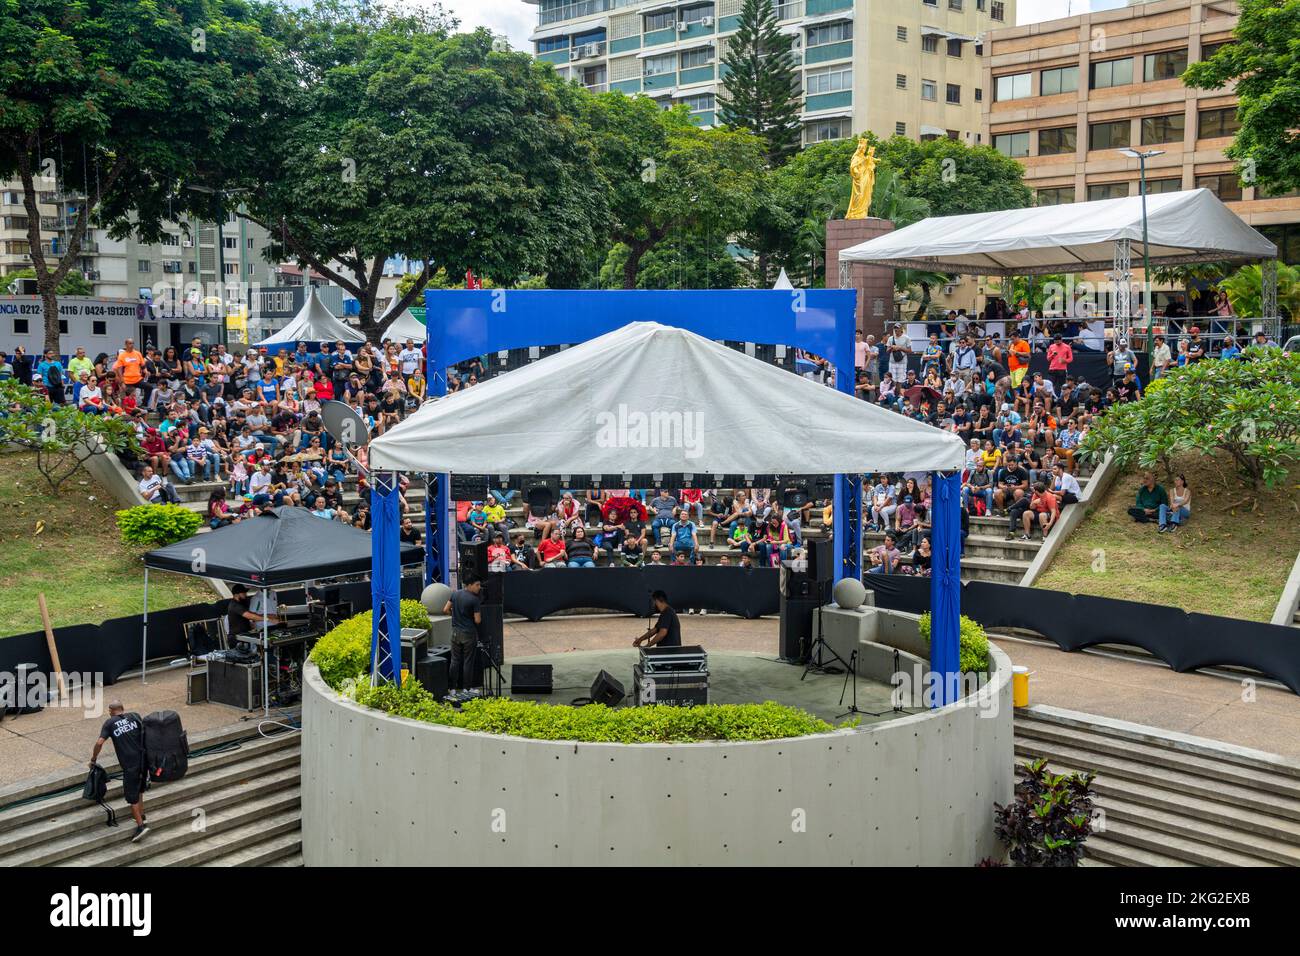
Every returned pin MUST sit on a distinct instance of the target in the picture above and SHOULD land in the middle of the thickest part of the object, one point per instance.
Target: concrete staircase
(1169, 799)
(238, 805)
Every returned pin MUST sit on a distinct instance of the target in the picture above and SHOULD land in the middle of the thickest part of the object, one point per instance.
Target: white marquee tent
(316, 324)
(650, 399)
(1192, 226)
(405, 326)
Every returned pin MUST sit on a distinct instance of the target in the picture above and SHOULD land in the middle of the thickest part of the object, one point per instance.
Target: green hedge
(594, 723)
(344, 653)
(157, 525)
(343, 656)
(974, 644)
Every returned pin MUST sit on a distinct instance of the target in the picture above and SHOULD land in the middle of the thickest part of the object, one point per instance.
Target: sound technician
(667, 631)
(466, 610)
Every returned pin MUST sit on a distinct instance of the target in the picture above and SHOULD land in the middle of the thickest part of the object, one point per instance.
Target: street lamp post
(1142, 158)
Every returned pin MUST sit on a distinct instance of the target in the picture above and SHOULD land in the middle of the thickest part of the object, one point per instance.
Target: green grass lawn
(1231, 559)
(67, 546)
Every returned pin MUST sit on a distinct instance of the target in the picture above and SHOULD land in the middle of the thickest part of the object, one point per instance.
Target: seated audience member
(156, 490)
(1150, 498)
(922, 559)
(1043, 510)
(1174, 515)
(524, 556)
(580, 550)
(884, 558)
(1064, 485)
(501, 557)
(683, 534)
(552, 552)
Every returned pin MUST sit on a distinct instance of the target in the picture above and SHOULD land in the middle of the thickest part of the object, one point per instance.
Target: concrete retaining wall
(382, 790)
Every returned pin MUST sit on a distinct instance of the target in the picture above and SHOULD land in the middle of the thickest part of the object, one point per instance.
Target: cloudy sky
(515, 18)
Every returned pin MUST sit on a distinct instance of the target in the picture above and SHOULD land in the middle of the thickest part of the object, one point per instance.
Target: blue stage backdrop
(465, 324)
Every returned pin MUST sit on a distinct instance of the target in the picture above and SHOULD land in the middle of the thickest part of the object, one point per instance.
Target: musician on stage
(667, 631)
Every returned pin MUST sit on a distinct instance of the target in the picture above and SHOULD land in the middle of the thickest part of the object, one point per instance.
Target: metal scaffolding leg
(1123, 277)
(1268, 300)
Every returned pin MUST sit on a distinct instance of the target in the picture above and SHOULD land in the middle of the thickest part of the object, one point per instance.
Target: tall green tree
(407, 139)
(762, 86)
(124, 102)
(664, 177)
(1264, 66)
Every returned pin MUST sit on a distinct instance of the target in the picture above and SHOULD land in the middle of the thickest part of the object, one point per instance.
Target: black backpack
(96, 789)
(166, 746)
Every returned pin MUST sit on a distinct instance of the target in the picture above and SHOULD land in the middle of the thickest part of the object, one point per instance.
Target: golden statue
(863, 171)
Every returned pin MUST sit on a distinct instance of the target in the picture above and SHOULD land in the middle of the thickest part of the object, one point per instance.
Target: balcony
(660, 81)
(699, 74)
(587, 51)
(842, 50)
(789, 11)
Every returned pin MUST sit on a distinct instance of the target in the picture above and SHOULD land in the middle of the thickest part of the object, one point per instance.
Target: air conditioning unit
(589, 49)
(683, 27)
(949, 289)
(706, 22)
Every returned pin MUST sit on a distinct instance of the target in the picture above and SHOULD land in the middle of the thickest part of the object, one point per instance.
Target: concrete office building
(1065, 95)
(909, 67)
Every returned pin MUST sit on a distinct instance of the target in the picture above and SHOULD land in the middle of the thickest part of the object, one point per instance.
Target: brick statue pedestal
(875, 284)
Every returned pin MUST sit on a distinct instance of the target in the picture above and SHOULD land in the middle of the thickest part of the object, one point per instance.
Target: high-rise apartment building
(1064, 96)
(909, 67)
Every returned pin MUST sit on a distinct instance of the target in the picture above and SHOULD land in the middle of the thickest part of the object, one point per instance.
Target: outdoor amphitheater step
(1170, 799)
(233, 787)
(284, 849)
(293, 860)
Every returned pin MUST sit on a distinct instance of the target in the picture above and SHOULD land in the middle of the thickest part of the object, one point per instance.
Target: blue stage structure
(465, 324)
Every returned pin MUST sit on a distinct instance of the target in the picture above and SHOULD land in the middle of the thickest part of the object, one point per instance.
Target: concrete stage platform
(734, 678)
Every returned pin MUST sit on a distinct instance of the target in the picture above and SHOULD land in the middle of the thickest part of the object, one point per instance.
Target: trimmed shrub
(344, 653)
(153, 526)
(974, 644)
(594, 723)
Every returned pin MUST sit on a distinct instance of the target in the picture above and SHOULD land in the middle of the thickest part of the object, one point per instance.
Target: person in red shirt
(552, 551)
(1059, 357)
(1042, 509)
(693, 498)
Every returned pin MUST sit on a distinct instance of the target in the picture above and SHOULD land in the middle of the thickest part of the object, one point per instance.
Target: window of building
(902, 34)
(1055, 142)
(929, 43)
(900, 81)
(997, 10)
(1109, 135)
(1112, 73)
(1224, 185)
(830, 33)
(701, 56)
(667, 20)
(1214, 123)
(20, 327)
(98, 327)
(1287, 239)
(1055, 196)
(981, 5)
(831, 80)
(143, 265)
(1062, 79)
(63, 326)
(929, 90)
(954, 48)
(1171, 185)
(697, 14)
(900, 129)
(979, 95)
(823, 130)
(954, 4)
(698, 103)
(1209, 49)
(954, 94)
(1015, 145)
(230, 242)
(930, 3)
(1263, 192)
(551, 44)
(1100, 191)
(1166, 65)
(232, 269)
(1014, 86)
(657, 65)
(1163, 129)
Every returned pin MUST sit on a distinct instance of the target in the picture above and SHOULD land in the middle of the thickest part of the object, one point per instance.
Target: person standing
(126, 730)
(466, 610)
(667, 630)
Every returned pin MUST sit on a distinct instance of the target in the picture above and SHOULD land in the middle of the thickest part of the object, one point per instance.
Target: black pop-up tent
(281, 547)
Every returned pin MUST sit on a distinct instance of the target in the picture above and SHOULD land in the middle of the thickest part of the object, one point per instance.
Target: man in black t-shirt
(126, 730)
(240, 617)
(667, 631)
(465, 608)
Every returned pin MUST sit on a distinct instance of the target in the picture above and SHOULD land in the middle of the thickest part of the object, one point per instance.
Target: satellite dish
(344, 423)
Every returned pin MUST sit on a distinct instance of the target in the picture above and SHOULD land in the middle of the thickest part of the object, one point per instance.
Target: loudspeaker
(432, 672)
(796, 627)
(797, 584)
(492, 634)
(474, 563)
(821, 559)
(531, 678)
(539, 494)
(605, 690)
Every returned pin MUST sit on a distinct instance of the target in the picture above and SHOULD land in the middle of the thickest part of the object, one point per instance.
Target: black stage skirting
(1074, 621)
(747, 593)
(1088, 365)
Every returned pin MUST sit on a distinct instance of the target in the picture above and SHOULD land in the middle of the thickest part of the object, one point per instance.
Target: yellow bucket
(1020, 686)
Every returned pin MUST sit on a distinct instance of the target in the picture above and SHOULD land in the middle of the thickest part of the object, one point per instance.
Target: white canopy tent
(314, 323)
(1191, 226)
(649, 399)
(405, 326)
(1182, 227)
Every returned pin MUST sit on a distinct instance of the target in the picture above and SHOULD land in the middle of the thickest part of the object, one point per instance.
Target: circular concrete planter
(919, 790)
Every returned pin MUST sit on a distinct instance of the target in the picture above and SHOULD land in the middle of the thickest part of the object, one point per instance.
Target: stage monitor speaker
(796, 628)
(468, 487)
(531, 678)
(432, 672)
(606, 690)
(821, 559)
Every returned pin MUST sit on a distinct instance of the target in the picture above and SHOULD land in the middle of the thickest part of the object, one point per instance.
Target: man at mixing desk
(240, 617)
(667, 631)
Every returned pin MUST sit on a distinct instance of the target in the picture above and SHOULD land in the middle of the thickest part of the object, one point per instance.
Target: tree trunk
(632, 267)
(50, 304)
(924, 306)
